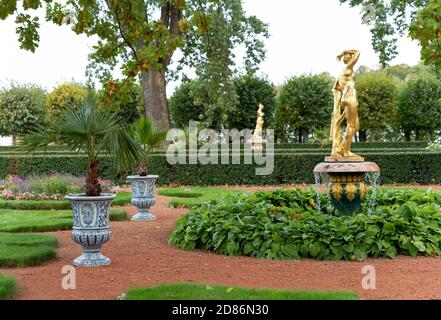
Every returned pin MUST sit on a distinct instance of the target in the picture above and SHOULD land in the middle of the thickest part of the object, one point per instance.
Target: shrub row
(420, 168)
(122, 199)
(360, 145)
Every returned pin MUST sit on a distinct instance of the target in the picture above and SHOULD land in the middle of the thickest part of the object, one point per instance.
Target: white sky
(306, 36)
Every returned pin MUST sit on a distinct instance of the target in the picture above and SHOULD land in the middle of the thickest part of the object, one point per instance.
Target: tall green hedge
(291, 146)
(413, 167)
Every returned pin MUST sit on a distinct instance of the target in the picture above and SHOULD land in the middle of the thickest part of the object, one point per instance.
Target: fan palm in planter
(96, 132)
(150, 138)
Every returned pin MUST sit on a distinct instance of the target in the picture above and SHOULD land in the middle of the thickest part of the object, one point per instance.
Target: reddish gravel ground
(142, 257)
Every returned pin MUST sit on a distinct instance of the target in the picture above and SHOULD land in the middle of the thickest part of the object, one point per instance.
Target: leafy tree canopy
(63, 97)
(304, 105)
(142, 36)
(123, 98)
(419, 107)
(252, 91)
(22, 108)
(190, 102)
(426, 28)
(390, 19)
(376, 96)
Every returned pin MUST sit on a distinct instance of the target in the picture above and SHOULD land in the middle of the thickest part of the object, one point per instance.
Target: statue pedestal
(347, 183)
(257, 143)
(344, 159)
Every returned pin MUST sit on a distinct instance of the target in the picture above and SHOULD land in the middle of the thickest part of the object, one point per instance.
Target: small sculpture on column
(257, 140)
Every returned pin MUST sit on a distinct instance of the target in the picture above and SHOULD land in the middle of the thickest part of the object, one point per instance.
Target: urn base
(143, 216)
(92, 259)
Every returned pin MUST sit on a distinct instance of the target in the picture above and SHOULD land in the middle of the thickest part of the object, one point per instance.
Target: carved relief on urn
(91, 227)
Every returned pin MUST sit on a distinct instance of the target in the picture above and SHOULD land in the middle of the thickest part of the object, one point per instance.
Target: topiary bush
(286, 224)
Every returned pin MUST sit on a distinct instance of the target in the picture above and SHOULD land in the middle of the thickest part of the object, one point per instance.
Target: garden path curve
(142, 257)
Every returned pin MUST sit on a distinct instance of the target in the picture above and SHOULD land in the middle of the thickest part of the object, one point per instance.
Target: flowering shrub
(53, 187)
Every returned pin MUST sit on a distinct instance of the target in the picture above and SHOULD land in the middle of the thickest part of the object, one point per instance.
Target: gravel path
(141, 257)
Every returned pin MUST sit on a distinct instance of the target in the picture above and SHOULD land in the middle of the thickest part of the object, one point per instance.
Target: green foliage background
(304, 105)
(22, 108)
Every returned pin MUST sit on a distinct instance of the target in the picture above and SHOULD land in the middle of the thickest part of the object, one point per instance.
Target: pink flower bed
(53, 187)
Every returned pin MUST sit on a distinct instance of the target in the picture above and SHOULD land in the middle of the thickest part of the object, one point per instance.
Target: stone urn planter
(143, 196)
(91, 227)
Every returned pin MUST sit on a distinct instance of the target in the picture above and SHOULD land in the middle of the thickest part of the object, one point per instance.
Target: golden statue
(345, 110)
(257, 136)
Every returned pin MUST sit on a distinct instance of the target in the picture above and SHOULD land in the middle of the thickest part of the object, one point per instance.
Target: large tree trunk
(420, 135)
(155, 97)
(362, 136)
(305, 137)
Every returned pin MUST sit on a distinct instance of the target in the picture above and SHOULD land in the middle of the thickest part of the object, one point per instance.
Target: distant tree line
(23, 107)
(395, 103)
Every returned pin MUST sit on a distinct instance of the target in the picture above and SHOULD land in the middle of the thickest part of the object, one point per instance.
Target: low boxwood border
(54, 223)
(8, 287)
(122, 199)
(26, 249)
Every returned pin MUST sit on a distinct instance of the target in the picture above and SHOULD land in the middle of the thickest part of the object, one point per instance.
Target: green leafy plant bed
(44, 221)
(7, 287)
(122, 199)
(286, 224)
(24, 249)
(205, 292)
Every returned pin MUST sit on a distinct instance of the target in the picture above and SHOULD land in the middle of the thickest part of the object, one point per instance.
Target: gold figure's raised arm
(355, 55)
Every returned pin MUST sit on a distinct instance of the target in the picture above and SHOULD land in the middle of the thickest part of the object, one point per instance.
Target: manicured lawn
(190, 197)
(204, 292)
(43, 220)
(7, 287)
(23, 249)
(123, 198)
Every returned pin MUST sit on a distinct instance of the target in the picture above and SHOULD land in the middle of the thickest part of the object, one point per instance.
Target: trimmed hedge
(8, 287)
(122, 199)
(409, 167)
(360, 145)
(26, 249)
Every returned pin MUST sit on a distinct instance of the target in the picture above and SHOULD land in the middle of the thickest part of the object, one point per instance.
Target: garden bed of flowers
(53, 187)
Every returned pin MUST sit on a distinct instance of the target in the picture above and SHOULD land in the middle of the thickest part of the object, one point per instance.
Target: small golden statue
(257, 139)
(345, 110)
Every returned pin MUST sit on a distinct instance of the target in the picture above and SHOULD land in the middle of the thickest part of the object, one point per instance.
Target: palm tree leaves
(94, 130)
(149, 136)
